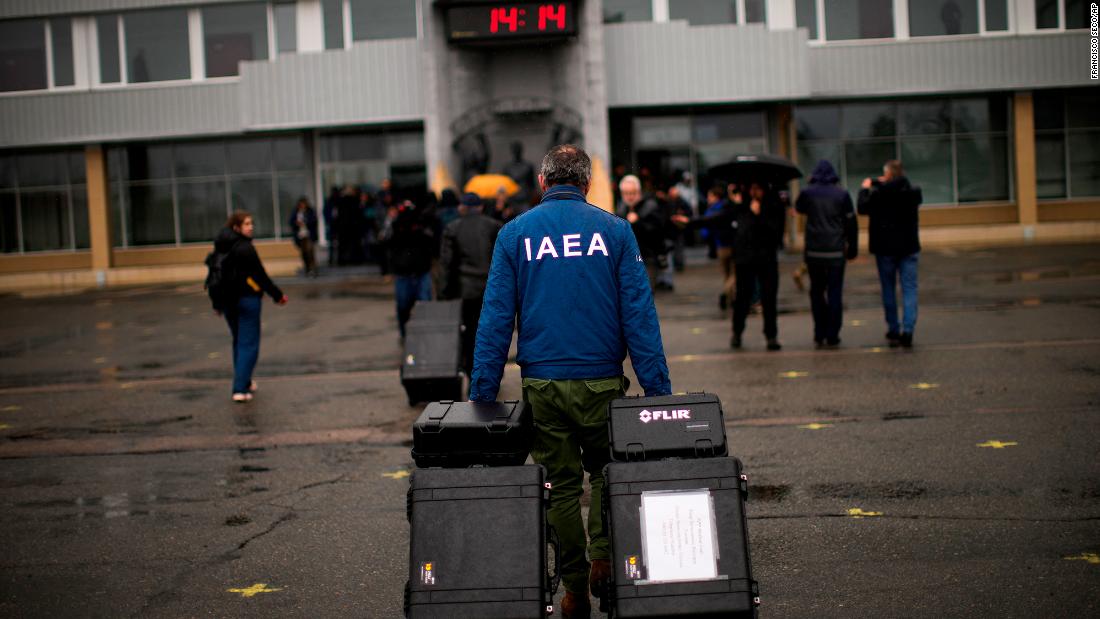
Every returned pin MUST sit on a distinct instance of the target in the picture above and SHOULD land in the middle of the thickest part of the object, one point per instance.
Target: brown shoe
(600, 581)
(576, 606)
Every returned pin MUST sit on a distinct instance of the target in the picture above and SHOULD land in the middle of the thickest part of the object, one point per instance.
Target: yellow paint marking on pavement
(126, 386)
(688, 357)
(856, 512)
(1089, 557)
(4, 426)
(397, 474)
(260, 587)
(997, 444)
(925, 386)
(697, 330)
(857, 323)
(793, 374)
(213, 355)
(12, 408)
(816, 426)
(877, 349)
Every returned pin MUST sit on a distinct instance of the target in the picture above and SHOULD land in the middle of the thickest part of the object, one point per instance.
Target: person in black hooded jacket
(892, 203)
(832, 234)
(249, 283)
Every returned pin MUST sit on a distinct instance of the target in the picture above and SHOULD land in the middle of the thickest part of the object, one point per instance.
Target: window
(157, 45)
(333, 15)
(943, 17)
(61, 36)
(43, 201)
(702, 12)
(286, 27)
(1067, 154)
(956, 150)
(617, 11)
(382, 19)
(22, 55)
(859, 19)
(996, 15)
(110, 71)
(805, 14)
(183, 192)
(366, 158)
(231, 34)
(755, 12)
(1047, 14)
(662, 148)
(699, 12)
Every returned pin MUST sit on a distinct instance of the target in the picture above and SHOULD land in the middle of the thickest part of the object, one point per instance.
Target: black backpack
(220, 279)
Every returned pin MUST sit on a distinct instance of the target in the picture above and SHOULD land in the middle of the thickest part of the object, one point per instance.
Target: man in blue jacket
(573, 275)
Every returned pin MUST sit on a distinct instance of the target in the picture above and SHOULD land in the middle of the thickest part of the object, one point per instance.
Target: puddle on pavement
(110, 506)
(896, 490)
(768, 493)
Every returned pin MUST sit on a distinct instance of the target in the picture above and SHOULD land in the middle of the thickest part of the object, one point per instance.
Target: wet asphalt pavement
(960, 478)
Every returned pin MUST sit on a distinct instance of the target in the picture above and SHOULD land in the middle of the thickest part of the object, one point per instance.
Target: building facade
(129, 129)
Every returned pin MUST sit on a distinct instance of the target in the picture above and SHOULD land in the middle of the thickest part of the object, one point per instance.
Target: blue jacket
(574, 277)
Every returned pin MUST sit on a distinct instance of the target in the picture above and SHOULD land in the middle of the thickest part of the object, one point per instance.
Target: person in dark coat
(465, 256)
(759, 222)
(892, 203)
(412, 247)
(647, 220)
(249, 282)
(832, 234)
(303, 224)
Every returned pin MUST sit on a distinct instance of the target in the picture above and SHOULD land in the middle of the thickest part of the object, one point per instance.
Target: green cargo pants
(571, 439)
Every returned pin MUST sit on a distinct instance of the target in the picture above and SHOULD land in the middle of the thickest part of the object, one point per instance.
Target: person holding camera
(892, 204)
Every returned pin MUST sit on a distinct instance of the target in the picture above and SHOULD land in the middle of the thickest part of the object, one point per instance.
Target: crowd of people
(442, 248)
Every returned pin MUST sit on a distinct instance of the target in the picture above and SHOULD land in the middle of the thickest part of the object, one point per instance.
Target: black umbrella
(749, 168)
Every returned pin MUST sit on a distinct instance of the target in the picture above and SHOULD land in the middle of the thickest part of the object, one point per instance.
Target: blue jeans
(889, 267)
(408, 289)
(244, 324)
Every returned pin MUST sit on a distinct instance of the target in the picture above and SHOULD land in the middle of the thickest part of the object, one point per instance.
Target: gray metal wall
(950, 65)
(673, 63)
(119, 114)
(374, 82)
(32, 8)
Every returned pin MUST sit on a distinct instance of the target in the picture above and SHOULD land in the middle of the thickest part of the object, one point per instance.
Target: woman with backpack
(244, 282)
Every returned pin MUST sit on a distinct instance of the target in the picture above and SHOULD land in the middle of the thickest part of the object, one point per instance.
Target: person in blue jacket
(574, 278)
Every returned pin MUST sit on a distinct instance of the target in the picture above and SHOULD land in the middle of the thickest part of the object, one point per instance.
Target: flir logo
(648, 416)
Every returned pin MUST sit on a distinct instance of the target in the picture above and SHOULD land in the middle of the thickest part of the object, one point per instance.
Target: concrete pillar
(99, 212)
(1024, 147)
(597, 139)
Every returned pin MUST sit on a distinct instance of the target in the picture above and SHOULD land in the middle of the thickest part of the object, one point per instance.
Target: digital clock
(513, 20)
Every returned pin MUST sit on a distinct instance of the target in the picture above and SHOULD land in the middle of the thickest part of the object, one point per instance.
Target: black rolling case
(432, 367)
(707, 573)
(670, 426)
(478, 544)
(457, 434)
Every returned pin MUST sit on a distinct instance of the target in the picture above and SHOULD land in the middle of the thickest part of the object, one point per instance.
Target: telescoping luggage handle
(499, 423)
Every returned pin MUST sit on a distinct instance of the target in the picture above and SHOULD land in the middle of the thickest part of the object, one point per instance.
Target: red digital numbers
(508, 17)
(512, 19)
(549, 12)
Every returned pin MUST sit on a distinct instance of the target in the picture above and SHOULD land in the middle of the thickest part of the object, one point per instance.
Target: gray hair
(566, 164)
(629, 180)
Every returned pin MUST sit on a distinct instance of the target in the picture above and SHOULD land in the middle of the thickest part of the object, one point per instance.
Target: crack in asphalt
(291, 515)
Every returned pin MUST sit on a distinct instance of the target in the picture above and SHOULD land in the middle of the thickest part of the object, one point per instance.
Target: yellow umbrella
(487, 185)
